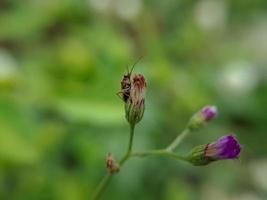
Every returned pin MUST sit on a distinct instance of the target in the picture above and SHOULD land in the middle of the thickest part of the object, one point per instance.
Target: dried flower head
(135, 105)
(112, 166)
(226, 147)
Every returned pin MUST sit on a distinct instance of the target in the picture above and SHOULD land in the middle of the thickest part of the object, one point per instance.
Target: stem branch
(106, 179)
(162, 152)
(178, 140)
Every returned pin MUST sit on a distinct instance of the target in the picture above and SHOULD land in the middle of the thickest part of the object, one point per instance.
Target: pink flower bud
(209, 112)
(206, 114)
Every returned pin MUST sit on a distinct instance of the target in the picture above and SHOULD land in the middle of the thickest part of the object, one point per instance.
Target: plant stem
(102, 186)
(106, 179)
(178, 140)
(130, 145)
(162, 152)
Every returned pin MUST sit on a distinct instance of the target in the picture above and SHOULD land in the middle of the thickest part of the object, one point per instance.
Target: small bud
(112, 166)
(209, 113)
(226, 147)
(206, 114)
(135, 105)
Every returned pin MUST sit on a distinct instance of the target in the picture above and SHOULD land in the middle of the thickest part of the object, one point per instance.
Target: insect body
(126, 87)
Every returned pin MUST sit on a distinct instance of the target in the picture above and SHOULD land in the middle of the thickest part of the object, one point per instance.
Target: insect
(126, 83)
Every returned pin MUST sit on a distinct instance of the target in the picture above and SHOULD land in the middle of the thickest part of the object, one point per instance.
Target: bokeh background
(61, 63)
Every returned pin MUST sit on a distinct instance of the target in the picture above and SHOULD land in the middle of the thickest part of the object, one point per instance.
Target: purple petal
(226, 147)
(209, 112)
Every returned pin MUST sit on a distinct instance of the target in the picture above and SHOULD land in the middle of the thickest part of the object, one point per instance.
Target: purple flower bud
(226, 147)
(209, 112)
(206, 114)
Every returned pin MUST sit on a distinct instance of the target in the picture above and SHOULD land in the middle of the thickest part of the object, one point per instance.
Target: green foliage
(61, 63)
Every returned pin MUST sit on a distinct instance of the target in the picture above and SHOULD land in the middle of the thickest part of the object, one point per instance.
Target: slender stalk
(106, 179)
(130, 145)
(178, 140)
(162, 152)
(102, 186)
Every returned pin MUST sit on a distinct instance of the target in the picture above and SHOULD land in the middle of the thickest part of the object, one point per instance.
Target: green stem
(130, 145)
(162, 152)
(102, 186)
(178, 140)
(106, 179)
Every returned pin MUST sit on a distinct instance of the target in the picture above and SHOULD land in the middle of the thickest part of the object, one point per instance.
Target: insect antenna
(127, 69)
(135, 64)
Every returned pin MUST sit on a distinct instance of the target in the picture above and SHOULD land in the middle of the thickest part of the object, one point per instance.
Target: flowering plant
(133, 90)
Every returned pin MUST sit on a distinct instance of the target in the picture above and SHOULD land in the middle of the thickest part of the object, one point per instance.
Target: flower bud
(226, 147)
(206, 114)
(209, 112)
(112, 166)
(135, 105)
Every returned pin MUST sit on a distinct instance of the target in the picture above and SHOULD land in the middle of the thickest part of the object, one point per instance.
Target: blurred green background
(61, 63)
